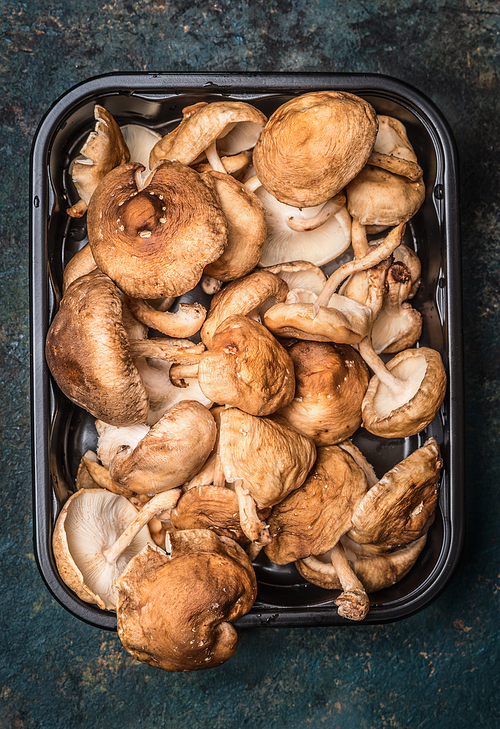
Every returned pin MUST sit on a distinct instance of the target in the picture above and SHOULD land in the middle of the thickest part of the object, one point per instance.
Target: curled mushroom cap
(246, 228)
(209, 507)
(248, 296)
(234, 125)
(88, 353)
(302, 275)
(154, 237)
(95, 536)
(313, 145)
(171, 452)
(403, 396)
(399, 508)
(314, 517)
(331, 381)
(175, 609)
(246, 367)
(103, 150)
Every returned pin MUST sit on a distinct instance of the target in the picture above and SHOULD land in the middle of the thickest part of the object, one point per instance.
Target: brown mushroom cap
(244, 296)
(246, 228)
(331, 381)
(313, 145)
(423, 386)
(249, 444)
(246, 367)
(173, 450)
(154, 237)
(398, 509)
(174, 610)
(88, 353)
(202, 125)
(209, 507)
(314, 517)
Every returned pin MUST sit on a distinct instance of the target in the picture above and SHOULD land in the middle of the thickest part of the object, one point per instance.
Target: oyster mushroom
(246, 228)
(95, 535)
(400, 507)
(313, 145)
(312, 519)
(389, 190)
(225, 127)
(155, 236)
(248, 296)
(331, 381)
(247, 445)
(398, 325)
(103, 150)
(175, 608)
(318, 234)
(171, 452)
(403, 396)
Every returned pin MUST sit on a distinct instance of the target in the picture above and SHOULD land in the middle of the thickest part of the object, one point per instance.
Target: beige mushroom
(331, 381)
(398, 325)
(405, 394)
(389, 190)
(248, 296)
(103, 150)
(171, 452)
(247, 445)
(183, 323)
(312, 519)
(175, 608)
(79, 265)
(228, 127)
(302, 275)
(95, 535)
(313, 145)
(246, 228)
(154, 237)
(400, 507)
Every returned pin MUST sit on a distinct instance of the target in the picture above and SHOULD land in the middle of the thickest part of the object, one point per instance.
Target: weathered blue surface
(436, 669)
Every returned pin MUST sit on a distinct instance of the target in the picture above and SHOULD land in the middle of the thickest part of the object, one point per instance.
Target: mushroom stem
(219, 477)
(359, 240)
(166, 500)
(397, 165)
(210, 285)
(171, 350)
(253, 183)
(214, 159)
(374, 256)
(255, 529)
(184, 322)
(178, 372)
(329, 208)
(101, 476)
(353, 602)
(396, 386)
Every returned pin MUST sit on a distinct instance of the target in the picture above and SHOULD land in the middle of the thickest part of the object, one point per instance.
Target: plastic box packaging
(61, 432)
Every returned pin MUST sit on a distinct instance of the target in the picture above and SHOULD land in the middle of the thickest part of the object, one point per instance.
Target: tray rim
(250, 83)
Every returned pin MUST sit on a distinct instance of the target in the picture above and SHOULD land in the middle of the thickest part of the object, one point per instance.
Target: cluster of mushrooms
(225, 432)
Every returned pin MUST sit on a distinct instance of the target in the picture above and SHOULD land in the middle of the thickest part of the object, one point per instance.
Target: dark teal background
(439, 668)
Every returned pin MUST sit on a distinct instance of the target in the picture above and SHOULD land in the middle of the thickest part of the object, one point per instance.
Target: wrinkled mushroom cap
(398, 509)
(246, 367)
(174, 609)
(248, 445)
(331, 381)
(423, 371)
(203, 124)
(245, 296)
(88, 353)
(154, 237)
(246, 228)
(313, 145)
(209, 507)
(172, 451)
(90, 522)
(314, 517)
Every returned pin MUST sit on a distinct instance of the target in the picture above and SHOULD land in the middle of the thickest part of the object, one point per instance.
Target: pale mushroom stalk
(184, 322)
(353, 602)
(253, 527)
(210, 285)
(359, 239)
(329, 208)
(179, 372)
(171, 350)
(399, 388)
(101, 477)
(396, 165)
(253, 183)
(374, 256)
(214, 159)
(164, 501)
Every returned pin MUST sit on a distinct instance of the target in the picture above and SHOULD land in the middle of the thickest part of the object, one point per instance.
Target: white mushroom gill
(114, 438)
(140, 141)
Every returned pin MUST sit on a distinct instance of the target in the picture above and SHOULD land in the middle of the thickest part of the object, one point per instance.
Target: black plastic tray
(61, 432)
